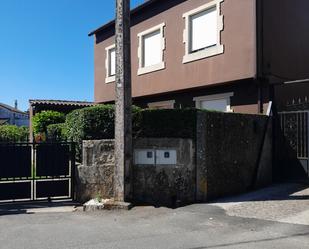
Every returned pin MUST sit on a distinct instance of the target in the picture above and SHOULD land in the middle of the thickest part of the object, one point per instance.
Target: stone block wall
(95, 177)
(231, 154)
(167, 185)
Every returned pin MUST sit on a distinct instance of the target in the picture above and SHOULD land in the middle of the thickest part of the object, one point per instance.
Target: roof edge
(132, 12)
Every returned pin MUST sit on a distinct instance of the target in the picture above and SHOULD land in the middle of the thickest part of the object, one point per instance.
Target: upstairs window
(202, 32)
(151, 48)
(110, 64)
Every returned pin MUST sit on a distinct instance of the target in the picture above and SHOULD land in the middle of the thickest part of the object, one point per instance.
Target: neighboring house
(224, 55)
(13, 116)
(63, 106)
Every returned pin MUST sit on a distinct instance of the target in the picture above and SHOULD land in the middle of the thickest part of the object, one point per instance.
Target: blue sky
(45, 52)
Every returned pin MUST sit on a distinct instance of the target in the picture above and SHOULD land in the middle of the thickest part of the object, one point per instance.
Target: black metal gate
(295, 128)
(31, 171)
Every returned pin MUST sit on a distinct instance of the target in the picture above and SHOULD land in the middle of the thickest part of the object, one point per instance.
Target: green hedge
(56, 132)
(12, 133)
(45, 118)
(175, 123)
(97, 122)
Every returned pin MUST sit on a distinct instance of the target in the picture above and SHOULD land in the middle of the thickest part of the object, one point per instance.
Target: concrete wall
(233, 153)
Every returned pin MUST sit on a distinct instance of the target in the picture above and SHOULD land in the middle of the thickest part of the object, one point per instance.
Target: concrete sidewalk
(283, 203)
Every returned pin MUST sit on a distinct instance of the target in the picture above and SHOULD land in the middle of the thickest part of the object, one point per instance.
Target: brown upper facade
(170, 53)
(219, 54)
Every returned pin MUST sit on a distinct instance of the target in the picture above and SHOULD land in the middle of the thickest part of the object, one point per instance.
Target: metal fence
(36, 171)
(295, 128)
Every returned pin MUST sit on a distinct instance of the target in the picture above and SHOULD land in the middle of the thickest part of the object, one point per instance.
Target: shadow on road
(31, 208)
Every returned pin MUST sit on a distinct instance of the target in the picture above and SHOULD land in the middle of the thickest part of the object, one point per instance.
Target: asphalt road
(192, 227)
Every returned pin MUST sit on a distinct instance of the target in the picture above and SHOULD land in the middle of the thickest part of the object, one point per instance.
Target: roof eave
(133, 11)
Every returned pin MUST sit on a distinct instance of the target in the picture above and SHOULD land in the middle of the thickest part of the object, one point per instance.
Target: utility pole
(123, 105)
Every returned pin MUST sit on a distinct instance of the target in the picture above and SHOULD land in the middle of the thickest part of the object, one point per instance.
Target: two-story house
(224, 55)
(13, 116)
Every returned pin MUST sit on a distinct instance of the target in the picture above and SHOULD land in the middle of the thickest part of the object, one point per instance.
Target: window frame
(187, 39)
(161, 65)
(154, 105)
(109, 78)
(226, 96)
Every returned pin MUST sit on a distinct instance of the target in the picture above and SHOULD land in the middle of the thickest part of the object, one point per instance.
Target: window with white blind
(168, 104)
(151, 48)
(217, 102)
(110, 64)
(202, 32)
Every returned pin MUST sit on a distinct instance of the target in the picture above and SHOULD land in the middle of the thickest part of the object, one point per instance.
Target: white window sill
(110, 79)
(208, 52)
(145, 70)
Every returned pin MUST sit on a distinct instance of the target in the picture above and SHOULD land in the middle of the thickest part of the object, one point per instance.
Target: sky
(45, 51)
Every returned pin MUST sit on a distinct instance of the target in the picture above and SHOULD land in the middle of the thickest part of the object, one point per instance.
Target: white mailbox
(144, 157)
(166, 157)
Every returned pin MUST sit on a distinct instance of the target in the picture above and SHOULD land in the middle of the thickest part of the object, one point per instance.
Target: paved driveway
(218, 225)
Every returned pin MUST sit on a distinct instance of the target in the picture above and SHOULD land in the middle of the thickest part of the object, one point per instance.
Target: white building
(13, 116)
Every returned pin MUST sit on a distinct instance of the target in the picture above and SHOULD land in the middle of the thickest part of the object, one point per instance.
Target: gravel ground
(284, 203)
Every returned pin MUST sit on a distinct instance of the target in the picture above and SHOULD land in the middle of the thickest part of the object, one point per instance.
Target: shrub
(56, 132)
(96, 122)
(12, 133)
(41, 120)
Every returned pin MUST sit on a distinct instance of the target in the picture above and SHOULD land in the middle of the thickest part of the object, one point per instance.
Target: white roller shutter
(152, 49)
(204, 29)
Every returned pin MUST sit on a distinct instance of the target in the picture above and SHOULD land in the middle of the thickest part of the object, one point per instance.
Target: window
(218, 102)
(110, 64)
(151, 48)
(169, 104)
(202, 32)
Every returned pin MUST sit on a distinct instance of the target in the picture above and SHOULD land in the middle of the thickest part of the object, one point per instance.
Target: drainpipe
(259, 53)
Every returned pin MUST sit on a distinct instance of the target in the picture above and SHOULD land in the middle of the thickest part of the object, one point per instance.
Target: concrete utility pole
(123, 119)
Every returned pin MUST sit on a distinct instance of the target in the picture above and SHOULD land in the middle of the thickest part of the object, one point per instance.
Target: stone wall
(233, 153)
(167, 185)
(95, 177)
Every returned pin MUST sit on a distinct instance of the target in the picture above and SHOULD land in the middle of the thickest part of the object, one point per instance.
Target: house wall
(285, 39)
(15, 118)
(237, 62)
(244, 99)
